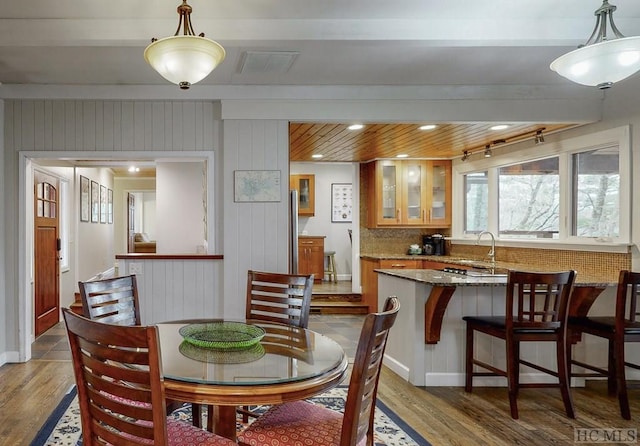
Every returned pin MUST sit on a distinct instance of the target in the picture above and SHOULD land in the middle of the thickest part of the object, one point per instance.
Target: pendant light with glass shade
(184, 59)
(601, 61)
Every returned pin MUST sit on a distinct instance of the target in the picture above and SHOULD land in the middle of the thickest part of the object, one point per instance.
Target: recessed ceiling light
(134, 169)
(316, 155)
(500, 127)
(402, 155)
(428, 127)
(355, 126)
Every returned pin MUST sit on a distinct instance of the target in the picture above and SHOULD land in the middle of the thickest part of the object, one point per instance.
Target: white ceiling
(340, 42)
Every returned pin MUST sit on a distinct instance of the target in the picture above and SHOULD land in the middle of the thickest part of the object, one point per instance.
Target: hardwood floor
(443, 415)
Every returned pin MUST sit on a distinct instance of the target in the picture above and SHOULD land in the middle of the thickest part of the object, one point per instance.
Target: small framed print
(103, 204)
(84, 198)
(95, 202)
(110, 206)
(341, 203)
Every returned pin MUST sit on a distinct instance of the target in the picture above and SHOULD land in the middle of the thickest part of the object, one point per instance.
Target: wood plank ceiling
(335, 142)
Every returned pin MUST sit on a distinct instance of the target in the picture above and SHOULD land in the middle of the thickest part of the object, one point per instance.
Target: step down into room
(326, 299)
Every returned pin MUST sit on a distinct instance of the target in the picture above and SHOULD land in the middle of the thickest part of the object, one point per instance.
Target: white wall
(180, 190)
(337, 238)
(95, 246)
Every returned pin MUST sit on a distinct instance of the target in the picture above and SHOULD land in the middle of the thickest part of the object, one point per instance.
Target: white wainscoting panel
(176, 289)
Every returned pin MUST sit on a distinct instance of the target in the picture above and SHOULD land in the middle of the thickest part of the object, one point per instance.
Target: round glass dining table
(287, 364)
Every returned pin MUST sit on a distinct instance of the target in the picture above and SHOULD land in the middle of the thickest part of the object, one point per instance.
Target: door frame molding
(25, 328)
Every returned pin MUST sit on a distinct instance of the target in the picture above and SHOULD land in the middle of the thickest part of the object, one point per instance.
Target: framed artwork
(84, 198)
(95, 202)
(341, 203)
(110, 206)
(256, 185)
(103, 204)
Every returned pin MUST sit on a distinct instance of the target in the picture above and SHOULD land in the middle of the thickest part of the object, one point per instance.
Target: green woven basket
(222, 335)
(226, 356)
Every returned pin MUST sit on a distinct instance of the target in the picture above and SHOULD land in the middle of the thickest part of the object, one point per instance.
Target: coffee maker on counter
(433, 245)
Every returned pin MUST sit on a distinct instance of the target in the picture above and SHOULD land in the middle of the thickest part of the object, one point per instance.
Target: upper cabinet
(305, 185)
(409, 193)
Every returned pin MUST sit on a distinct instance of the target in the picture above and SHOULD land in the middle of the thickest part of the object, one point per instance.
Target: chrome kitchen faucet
(492, 253)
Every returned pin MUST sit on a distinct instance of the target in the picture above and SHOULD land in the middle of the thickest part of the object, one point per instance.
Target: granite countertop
(441, 278)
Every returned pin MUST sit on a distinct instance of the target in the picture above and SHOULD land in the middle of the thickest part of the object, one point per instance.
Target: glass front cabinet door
(305, 185)
(410, 193)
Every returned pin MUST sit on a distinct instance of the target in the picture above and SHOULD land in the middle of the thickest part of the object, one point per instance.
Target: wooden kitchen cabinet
(311, 256)
(369, 277)
(409, 193)
(305, 184)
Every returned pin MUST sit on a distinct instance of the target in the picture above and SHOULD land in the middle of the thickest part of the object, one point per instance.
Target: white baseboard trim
(10, 356)
(396, 367)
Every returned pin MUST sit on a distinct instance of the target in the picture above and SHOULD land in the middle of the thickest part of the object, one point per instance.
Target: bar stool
(331, 271)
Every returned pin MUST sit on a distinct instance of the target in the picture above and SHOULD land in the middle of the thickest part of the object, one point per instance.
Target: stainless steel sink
(485, 273)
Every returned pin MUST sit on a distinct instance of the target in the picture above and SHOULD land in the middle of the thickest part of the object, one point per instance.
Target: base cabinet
(311, 256)
(370, 278)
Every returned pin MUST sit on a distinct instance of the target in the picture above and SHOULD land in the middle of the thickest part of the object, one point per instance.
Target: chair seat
(181, 433)
(604, 323)
(499, 323)
(297, 423)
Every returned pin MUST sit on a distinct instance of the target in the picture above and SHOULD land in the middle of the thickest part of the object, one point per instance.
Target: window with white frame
(573, 191)
(596, 193)
(529, 199)
(476, 202)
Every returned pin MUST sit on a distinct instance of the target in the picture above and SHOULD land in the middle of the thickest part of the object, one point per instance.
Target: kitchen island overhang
(426, 346)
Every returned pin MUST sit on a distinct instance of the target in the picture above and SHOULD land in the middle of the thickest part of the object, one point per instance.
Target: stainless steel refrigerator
(293, 232)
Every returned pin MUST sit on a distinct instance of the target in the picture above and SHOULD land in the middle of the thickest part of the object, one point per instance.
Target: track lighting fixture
(487, 151)
(465, 155)
(539, 138)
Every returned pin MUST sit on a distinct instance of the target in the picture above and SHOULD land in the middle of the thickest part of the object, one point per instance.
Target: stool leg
(333, 269)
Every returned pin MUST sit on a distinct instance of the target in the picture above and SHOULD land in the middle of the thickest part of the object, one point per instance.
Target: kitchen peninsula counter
(426, 345)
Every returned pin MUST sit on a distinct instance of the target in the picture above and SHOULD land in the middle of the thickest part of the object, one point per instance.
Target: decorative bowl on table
(222, 356)
(222, 335)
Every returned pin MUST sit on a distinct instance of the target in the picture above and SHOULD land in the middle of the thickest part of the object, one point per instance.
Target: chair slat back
(363, 386)
(537, 300)
(627, 309)
(118, 376)
(277, 297)
(111, 301)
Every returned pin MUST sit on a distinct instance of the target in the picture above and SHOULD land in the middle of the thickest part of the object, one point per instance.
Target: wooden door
(46, 255)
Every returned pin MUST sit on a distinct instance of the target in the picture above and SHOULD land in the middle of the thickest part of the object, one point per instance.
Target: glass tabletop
(285, 354)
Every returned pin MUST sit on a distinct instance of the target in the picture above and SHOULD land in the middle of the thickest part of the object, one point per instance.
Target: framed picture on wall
(256, 185)
(109, 206)
(341, 203)
(95, 202)
(103, 204)
(84, 198)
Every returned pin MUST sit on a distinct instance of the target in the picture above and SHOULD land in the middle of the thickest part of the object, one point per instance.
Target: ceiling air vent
(276, 62)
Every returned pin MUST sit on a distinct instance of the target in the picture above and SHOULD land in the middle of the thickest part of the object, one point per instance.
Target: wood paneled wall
(83, 127)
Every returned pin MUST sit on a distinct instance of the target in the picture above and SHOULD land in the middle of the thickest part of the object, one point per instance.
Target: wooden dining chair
(622, 327)
(301, 423)
(112, 301)
(277, 297)
(536, 311)
(115, 301)
(120, 386)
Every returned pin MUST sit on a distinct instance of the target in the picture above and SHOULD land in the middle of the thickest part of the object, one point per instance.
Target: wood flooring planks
(443, 415)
